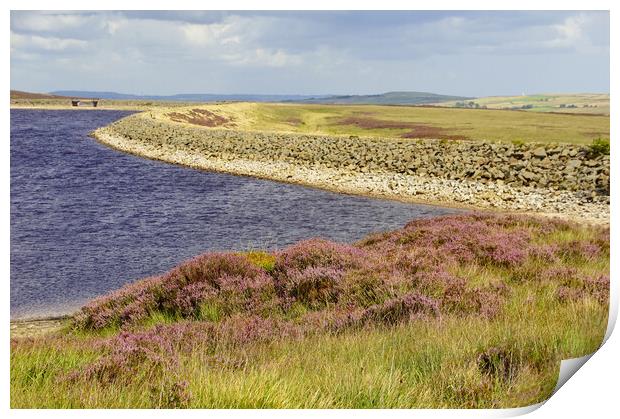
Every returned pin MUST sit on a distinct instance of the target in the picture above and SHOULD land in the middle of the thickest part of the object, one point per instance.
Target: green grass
(421, 365)
(425, 365)
(487, 125)
(261, 259)
(461, 359)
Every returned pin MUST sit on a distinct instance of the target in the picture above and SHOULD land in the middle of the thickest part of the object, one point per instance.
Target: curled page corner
(568, 367)
(518, 411)
(613, 311)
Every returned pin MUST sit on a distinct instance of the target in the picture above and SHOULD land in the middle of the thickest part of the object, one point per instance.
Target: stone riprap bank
(558, 178)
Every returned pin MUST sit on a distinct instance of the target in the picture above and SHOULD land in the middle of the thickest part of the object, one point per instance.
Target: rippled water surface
(86, 219)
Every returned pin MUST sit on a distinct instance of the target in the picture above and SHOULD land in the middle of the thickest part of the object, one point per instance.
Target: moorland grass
(458, 311)
(408, 122)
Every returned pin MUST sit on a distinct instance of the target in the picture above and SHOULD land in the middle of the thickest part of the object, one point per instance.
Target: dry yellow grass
(400, 122)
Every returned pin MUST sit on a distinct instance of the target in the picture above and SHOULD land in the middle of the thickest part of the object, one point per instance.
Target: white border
(593, 391)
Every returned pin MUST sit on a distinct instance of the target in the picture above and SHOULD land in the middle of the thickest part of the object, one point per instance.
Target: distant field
(365, 120)
(584, 103)
(395, 121)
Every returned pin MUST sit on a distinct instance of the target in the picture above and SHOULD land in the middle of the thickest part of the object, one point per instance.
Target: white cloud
(264, 58)
(36, 42)
(112, 26)
(46, 22)
(210, 34)
(582, 33)
(569, 33)
(299, 48)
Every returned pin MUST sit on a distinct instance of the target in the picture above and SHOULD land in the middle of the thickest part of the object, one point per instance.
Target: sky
(331, 52)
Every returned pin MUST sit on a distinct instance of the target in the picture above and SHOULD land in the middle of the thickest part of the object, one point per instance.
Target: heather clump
(461, 239)
(189, 298)
(396, 310)
(574, 284)
(534, 224)
(601, 238)
(127, 354)
(180, 292)
(578, 287)
(132, 302)
(486, 302)
(473, 310)
(581, 250)
(210, 268)
(238, 294)
(560, 273)
(453, 293)
(439, 283)
(545, 253)
(318, 253)
(313, 286)
(426, 258)
(152, 353)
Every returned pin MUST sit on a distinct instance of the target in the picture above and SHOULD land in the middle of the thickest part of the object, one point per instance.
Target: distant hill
(18, 94)
(189, 97)
(389, 98)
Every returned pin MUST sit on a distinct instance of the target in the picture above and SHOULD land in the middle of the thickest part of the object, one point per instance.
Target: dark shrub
(599, 146)
(499, 363)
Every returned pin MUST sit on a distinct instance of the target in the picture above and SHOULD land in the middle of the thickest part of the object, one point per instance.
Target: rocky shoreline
(556, 180)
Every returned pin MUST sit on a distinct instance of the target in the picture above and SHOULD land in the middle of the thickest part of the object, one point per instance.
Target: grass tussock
(459, 311)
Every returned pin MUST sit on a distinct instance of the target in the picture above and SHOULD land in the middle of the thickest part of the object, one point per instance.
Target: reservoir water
(86, 219)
